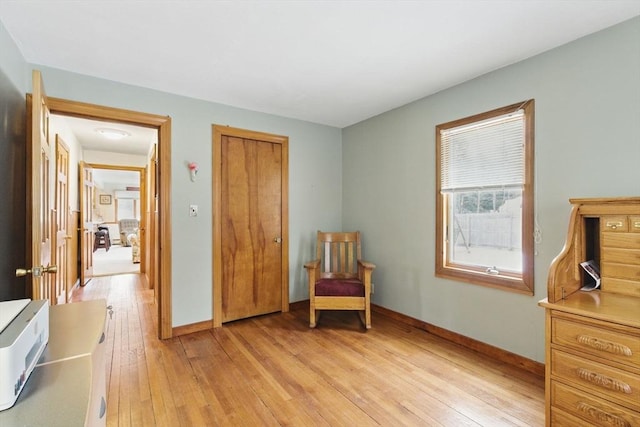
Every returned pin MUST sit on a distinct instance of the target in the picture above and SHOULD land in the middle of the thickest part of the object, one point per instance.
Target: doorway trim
(163, 125)
(218, 132)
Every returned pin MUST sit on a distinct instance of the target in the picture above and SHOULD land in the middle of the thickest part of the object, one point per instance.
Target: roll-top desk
(593, 338)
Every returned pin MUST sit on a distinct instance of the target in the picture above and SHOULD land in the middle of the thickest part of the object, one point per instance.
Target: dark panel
(12, 189)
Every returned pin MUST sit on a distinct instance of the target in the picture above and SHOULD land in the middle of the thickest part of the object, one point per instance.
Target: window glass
(127, 209)
(484, 205)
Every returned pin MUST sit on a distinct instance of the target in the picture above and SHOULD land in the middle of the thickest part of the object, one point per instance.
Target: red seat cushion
(339, 288)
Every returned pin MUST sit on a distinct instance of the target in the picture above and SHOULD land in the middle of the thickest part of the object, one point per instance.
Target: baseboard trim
(494, 353)
(299, 305)
(205, 325)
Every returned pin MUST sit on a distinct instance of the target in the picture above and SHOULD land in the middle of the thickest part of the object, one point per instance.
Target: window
(484, 198)
(127, 205)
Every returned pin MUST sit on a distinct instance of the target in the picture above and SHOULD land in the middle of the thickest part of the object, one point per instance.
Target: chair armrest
(366, 264)
(312, 264)
(364, 273)
(313, 273)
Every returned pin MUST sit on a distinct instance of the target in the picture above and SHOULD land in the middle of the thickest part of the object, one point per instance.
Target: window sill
(505, 283)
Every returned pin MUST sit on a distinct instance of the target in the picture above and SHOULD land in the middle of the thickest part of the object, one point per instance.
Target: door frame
(66, 107)
(218, 132)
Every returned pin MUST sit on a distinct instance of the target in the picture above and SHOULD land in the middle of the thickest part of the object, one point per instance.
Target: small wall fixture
(193, 170)
(114, 134)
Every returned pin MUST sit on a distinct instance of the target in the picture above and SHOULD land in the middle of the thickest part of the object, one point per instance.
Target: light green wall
(587, 144)
(315, 173)
(587, 140)
(12, 62)
(314, 179)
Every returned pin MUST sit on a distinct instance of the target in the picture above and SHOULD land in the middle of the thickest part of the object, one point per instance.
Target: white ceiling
(331, 62)
(115, 179)
(137, 142)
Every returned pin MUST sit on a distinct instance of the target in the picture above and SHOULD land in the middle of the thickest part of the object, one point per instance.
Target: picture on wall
(105, 199)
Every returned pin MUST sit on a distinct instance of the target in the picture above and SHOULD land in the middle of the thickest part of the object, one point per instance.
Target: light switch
(193, 210)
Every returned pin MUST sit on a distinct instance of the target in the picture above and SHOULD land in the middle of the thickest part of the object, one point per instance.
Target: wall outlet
(193, 210)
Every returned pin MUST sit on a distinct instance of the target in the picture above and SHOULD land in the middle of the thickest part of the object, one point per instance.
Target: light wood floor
(273, 370)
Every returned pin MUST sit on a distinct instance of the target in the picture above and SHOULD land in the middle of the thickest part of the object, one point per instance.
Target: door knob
(277, 239)
(36, 271)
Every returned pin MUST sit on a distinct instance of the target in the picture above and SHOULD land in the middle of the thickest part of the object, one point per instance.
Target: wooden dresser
(593, 338)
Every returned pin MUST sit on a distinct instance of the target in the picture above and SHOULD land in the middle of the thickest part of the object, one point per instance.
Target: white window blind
(122, 194)
(484, 155)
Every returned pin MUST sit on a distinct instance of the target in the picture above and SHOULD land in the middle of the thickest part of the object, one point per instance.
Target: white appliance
(24, 333)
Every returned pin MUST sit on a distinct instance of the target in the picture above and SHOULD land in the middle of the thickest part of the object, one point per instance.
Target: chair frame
(337, 250)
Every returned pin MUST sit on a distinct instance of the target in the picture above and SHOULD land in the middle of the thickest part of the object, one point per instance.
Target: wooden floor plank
(274, 370)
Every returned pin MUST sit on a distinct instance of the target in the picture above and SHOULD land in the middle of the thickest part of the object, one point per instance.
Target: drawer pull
(636, 224)
(614, 225)
(602, 345)
(603, 417)
(604, 381)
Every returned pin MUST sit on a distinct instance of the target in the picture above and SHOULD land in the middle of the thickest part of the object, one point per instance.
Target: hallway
(117, 260)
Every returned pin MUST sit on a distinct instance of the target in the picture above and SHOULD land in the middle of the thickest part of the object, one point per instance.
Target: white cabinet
(68, 386)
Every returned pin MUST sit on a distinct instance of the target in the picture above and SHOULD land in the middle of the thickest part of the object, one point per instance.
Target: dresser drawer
(615, 224)
(560, 418)
(621, 256)
(597, 340)
(621, 271)
(595, 411)
(634, 224)
(621, 286)
(620, 240)
(604, 380)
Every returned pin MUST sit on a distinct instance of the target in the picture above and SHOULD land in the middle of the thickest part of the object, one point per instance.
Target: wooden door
(251, 207)
(143, 221)
(62, 230)
(151, 268)
(39, 198)
(86, 195)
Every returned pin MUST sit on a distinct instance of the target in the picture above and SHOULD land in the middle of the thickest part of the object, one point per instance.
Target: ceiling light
(114, 134)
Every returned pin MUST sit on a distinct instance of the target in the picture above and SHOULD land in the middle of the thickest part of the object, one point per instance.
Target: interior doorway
(120, 192)
(158, 212)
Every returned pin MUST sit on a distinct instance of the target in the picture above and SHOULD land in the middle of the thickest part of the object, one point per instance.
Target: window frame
(520, 283)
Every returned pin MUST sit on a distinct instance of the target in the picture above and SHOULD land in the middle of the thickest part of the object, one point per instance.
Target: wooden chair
(338, 278)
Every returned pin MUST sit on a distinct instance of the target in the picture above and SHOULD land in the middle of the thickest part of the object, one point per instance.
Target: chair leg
(365, 318)
(367, 315)
(312, 315)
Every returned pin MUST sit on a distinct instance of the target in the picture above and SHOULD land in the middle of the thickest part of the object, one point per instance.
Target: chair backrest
(338, 254)
(128, 225)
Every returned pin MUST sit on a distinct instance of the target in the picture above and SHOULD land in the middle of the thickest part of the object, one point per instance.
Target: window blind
(122, 194)
(483, 155)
